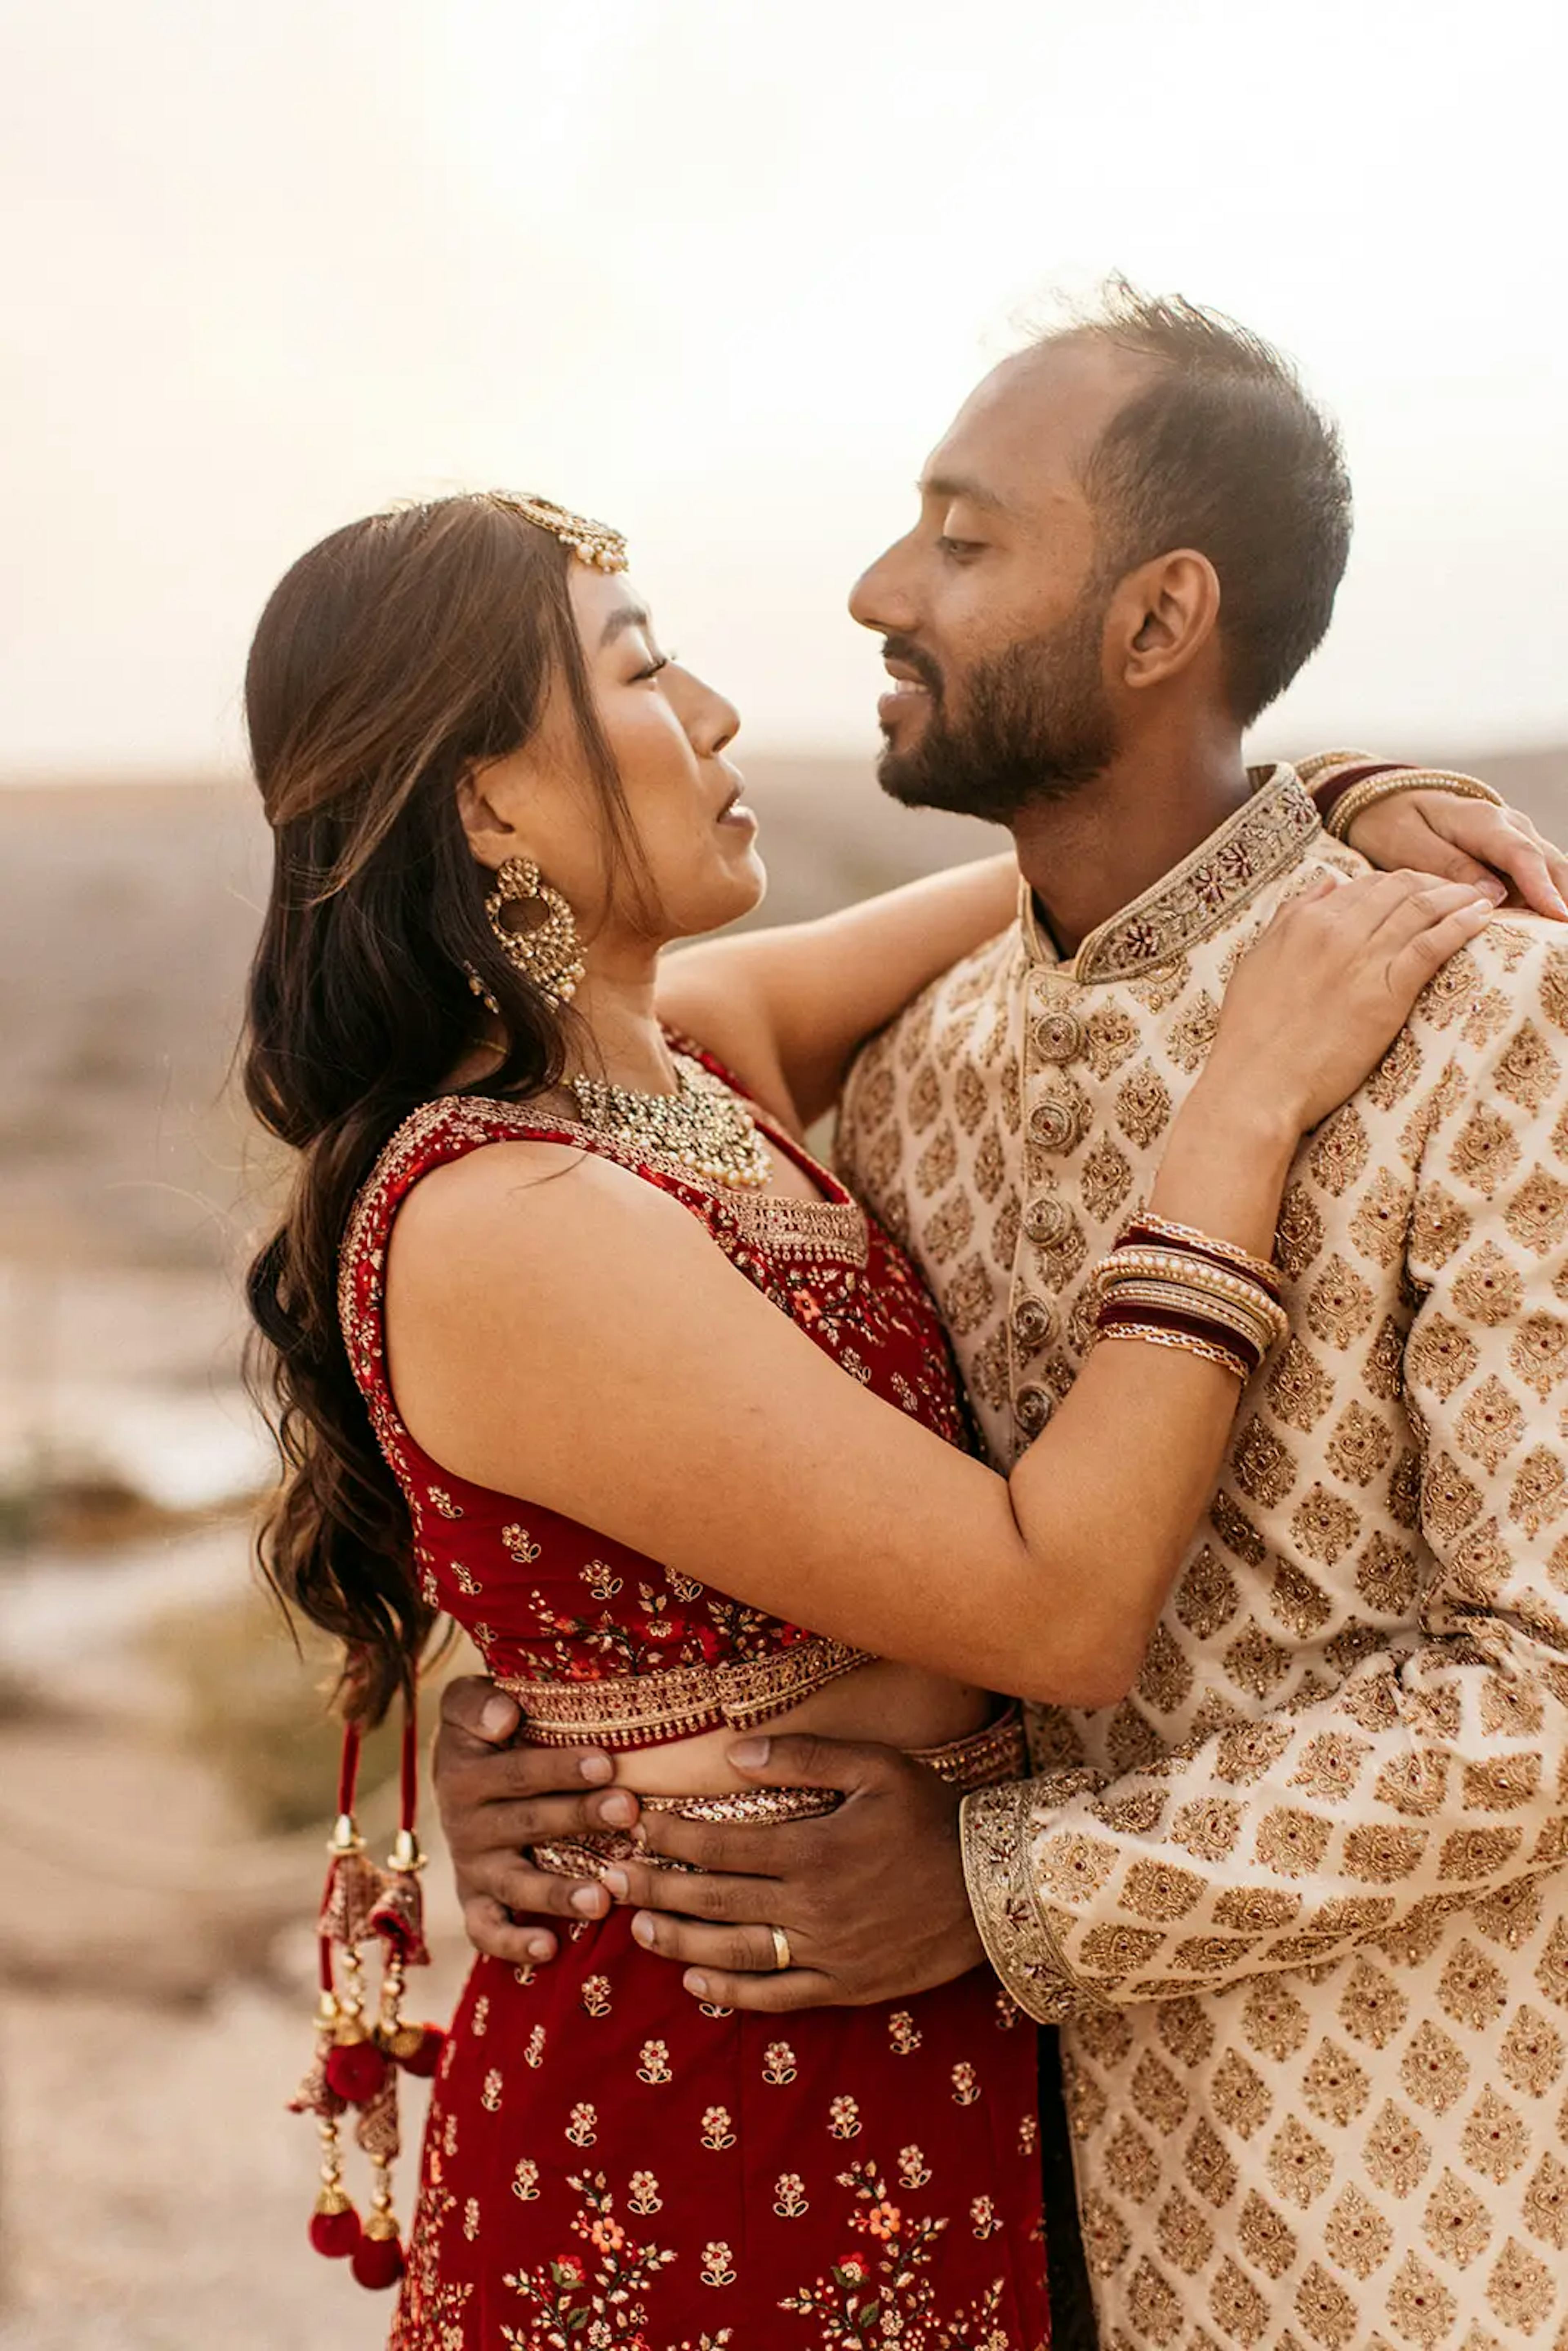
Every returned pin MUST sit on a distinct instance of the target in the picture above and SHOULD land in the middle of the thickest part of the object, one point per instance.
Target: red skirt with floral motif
(612, 2166)
(609, 2163)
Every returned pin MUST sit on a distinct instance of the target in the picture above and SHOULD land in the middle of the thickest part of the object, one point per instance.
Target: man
(1294, 1904)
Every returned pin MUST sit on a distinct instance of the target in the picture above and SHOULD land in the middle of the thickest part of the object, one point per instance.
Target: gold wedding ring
(781, 1954)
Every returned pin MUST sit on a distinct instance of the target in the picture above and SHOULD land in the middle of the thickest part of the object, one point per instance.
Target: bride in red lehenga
(575, 1343)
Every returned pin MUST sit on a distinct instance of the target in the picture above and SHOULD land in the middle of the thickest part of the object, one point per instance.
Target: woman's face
(667, 732)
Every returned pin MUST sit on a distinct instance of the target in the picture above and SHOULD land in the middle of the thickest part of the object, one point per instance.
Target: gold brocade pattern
(1297, 1898)
(630, 1710)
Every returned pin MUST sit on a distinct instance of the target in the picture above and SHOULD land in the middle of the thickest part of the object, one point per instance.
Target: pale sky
(719, 271)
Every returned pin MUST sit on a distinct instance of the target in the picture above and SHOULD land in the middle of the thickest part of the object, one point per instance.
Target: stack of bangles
(1172, 1287)
(1360, 787)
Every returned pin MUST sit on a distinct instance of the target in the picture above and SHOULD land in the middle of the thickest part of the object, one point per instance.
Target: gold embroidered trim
(996, 1828)
(642, 1709)
(977, 1760)
(809, 1229)
(1263, 837)
(981, 1758)
(743, 1807)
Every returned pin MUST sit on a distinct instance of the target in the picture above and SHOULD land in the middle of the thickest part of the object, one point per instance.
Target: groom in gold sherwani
(1297, 1904)
(1298, 1901)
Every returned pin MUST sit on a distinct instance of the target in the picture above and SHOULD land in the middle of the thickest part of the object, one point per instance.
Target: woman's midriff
(896, 1705)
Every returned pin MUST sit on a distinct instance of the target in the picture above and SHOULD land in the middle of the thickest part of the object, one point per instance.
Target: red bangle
(1328, 795)
(1121, 1311)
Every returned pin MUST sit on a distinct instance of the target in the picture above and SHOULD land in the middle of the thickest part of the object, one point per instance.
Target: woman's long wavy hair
(394, 657)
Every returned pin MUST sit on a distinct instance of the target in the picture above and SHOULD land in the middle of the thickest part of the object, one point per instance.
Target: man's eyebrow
(961, 486)
(625, 617)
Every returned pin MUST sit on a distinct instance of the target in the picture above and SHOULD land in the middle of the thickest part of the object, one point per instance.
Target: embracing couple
(1174, 1352)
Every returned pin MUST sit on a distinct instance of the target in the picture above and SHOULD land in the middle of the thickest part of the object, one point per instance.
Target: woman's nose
(710, 719)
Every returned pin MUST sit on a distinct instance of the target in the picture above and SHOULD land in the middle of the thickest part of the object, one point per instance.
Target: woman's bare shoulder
(530, 1211)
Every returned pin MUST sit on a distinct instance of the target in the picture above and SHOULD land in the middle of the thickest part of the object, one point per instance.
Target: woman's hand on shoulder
(1315, 1004)
(1459, 840)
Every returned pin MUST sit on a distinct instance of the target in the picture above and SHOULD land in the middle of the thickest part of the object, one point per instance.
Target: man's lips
(908, 692)
(915, 682)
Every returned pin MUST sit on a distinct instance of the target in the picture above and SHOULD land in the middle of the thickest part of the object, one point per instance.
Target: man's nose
(880, 600)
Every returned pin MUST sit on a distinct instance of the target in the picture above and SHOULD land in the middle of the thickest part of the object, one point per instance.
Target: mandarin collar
(1261, 839)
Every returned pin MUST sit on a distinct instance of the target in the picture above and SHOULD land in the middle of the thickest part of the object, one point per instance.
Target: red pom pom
(378, 2261)
(418, 2048)
(355, 2070)
(335, 2232)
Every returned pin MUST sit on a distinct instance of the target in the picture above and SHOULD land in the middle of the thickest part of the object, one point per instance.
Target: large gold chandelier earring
(544, 947)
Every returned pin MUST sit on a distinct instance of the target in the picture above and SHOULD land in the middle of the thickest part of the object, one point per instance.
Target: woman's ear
(489, 797)
(1169, 610)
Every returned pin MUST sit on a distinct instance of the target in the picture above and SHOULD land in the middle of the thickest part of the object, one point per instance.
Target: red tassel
(398, 1917)
(378, 2260)
(356, 2069)
(335, 2228)
(315, 2095)
(417, 2049)
(355, 2065)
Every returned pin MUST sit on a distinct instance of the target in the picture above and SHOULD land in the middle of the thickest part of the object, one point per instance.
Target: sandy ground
(155, 2192)
(155, 2003)
(153, 2189)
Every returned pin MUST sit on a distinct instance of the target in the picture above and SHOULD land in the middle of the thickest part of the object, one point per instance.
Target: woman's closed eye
(655, 665)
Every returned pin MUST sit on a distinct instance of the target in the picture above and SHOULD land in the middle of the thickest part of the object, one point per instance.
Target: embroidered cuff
(1016, 1929)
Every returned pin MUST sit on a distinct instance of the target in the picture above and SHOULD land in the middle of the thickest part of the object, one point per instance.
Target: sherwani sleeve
(1434, 1775)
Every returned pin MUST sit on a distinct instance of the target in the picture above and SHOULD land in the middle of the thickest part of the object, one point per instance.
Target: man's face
(993, 607)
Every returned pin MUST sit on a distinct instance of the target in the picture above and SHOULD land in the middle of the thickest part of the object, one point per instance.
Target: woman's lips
(736, 813)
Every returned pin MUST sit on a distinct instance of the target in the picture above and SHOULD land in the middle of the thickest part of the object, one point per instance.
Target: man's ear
(1162, 615)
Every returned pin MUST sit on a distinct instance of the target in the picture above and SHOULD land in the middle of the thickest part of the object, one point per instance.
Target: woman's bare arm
(580, 1340)
(786, 1007)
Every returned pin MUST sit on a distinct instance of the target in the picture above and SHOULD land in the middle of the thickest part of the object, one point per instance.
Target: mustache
(914, 657)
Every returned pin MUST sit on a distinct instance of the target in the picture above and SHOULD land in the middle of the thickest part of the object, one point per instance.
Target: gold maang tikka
(591, 542)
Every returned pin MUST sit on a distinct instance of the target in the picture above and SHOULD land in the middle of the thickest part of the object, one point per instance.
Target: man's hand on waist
(496, 1800)
(869, 1896)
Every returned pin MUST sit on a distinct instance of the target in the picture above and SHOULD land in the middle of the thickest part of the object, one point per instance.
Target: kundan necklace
(704, 1127)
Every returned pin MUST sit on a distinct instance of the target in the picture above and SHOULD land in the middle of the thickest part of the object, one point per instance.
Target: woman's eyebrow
(625, 617)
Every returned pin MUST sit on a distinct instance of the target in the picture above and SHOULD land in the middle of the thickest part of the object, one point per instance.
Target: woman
(599, 1304)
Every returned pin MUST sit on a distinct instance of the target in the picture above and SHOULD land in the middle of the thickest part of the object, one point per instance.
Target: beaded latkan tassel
(356, 2061)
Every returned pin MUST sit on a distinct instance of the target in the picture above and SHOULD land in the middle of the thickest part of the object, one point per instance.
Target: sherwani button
(1054, 1125)
(1048, 1221)
(1032, 1324)
(1032, 1407)
(1058, 1035)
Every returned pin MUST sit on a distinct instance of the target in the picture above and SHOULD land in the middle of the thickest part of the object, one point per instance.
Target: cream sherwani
(1297, 1901)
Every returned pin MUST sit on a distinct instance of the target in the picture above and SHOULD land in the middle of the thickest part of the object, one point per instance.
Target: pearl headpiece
(591, 542)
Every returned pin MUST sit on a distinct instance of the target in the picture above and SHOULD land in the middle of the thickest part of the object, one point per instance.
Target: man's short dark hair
(1222, 451)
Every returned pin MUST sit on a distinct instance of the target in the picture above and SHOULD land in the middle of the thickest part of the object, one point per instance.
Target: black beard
(1036, 726)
